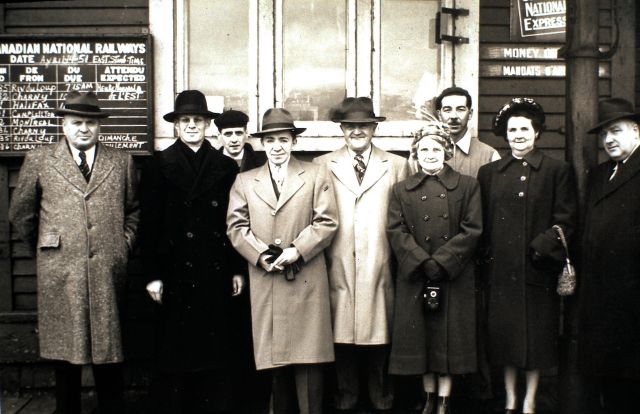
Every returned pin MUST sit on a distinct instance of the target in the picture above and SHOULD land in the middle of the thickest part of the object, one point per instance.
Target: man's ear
(470, 113)
(294, 141)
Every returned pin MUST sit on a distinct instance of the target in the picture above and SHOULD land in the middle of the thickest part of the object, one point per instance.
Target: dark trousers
(350, 361)
(620, 395)
(109, 387)
(298, 388)
(200, 392)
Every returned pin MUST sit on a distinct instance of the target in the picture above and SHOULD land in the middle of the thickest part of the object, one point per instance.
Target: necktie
(279, 178)
(360, 167)
(84, 167)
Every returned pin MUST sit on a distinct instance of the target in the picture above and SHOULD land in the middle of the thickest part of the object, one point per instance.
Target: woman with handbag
(434, 224)
(524, 195)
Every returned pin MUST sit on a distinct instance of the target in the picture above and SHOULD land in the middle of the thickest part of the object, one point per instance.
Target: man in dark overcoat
(609, 282)
(75, 205)
(232, 126)
(191, 267)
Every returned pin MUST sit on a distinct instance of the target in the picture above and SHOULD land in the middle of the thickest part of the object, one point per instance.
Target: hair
(536, 122)
(454, 90)
(438, 132)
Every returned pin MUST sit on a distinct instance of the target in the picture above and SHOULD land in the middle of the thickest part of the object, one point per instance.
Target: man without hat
(360, 256)
(191, 268)
(609, 282)
(281, 218)
(453, 106)
(232, 126)
(75, 205)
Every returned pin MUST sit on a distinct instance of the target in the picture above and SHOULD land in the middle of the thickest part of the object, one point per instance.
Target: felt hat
(356, 110)
(190, 102)
(277, 119)
(81, 104)
(520, 104)
(231, 119)
(614, 109)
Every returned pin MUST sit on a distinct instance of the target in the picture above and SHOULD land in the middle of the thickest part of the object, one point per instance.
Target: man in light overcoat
(281, 218)
(360, 257)
(75, 205)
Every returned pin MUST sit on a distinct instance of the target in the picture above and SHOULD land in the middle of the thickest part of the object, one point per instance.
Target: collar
(366, 154)
(283, 167)
(447, 176)
(534, 158)
(237, 157)
(630, 154)
(90, 153)
(465, 142)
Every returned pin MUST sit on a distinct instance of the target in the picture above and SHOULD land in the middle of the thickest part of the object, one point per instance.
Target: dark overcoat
(521, 201)
(82, 233)
(609, 278)
(184, 244)
(438, 218)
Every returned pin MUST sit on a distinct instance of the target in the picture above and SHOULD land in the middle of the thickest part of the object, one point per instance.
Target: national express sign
(544, 20)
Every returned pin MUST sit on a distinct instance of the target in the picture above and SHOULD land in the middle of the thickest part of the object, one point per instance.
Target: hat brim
(622, 115)
(171, 116)
(360, 120)
(63, 112)
(296, 131)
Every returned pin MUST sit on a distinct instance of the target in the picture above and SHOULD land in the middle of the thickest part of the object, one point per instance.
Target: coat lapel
(292, 183)
(102, 167)
(376, 169)
(210, 171)
(176, 168)
(263, 187)
(626, 172)
(67, 167)
(342, 167)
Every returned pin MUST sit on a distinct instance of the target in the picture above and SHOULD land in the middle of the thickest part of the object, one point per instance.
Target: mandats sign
(542, 19)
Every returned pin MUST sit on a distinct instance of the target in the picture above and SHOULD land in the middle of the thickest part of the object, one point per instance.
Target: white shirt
(464, 144)
(279, 173)
(90, 153)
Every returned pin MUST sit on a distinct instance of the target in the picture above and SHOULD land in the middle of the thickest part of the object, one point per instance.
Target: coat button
(214, 203)
(445, 237)
(188, 264)
(189, 235)
(524, 163)
(277, 241)
(445, 216)
(427, 239)
(273, 213)
(423, 198)
(426, 218)
(523, 178)
(89, 225)
(521, 194)
(443, 195)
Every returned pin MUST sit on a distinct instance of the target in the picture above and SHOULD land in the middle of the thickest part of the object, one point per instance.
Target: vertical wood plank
(6, 285)
(623, 76)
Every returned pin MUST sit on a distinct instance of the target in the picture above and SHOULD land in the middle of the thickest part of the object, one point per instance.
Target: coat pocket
(49, 241)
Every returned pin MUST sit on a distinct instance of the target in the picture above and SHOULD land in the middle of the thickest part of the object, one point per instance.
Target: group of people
(430, 268)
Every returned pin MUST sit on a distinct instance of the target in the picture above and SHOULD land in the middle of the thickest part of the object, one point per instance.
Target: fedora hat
(357, 110)
(614, 109)
(278, 119)
(520, 104)
(190, 102)
(81, 104)
(231, 119)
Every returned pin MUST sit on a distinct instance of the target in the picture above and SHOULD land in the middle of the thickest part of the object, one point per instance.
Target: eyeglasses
(229, 134)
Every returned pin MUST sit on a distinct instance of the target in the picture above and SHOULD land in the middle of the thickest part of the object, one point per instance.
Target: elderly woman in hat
(523, 196)
(434, 225)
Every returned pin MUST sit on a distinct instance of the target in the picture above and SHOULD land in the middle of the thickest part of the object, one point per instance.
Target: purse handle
(558, 229)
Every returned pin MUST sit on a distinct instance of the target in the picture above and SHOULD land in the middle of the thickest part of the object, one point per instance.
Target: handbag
(567, 278)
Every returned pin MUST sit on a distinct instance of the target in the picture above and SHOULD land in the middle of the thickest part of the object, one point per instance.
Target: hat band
(279, 125)
(186, 108)
(610, 115)
(357, 115)
(82, 108)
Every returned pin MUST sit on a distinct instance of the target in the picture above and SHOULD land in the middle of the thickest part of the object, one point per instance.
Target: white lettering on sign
(545, 8)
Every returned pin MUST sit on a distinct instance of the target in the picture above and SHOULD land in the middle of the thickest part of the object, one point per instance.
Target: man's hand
(288, 256)
(155, 290)
(238, 285)
(262, 261)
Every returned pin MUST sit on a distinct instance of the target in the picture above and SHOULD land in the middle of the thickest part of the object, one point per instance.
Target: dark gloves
(433, 270)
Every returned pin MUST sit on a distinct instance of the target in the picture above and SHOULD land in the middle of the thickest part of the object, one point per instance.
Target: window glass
(314, 62)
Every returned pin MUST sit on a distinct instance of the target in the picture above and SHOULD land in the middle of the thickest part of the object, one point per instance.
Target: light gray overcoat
(82, 234)
(291, 319)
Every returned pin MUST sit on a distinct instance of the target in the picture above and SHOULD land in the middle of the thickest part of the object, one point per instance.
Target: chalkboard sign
(37, 72)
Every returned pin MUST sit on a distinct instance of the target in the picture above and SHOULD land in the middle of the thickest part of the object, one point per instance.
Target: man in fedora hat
(281, 218)
(360, 257)
(232, 126)
(609, 286)
(75, 205)
(191, 268)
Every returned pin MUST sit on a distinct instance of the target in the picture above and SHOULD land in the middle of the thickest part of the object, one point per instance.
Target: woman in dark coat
(435, 222)
(523, 195)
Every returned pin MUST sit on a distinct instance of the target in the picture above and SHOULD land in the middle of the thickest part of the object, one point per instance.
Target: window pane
(313, 57)
(410, 57)
(218, 62)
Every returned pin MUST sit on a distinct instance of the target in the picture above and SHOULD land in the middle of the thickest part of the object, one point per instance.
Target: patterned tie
(84, 167)
(360, 167)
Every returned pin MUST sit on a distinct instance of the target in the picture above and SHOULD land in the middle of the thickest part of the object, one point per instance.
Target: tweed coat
(609, 278)
(184, 244)
(521, 201)
(82, 234)
(359, 258)
(438, 218)
(291, 319)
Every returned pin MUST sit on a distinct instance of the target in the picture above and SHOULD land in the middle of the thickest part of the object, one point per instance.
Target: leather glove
(433, 270)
